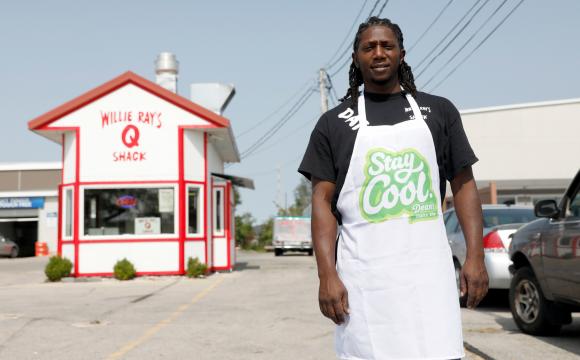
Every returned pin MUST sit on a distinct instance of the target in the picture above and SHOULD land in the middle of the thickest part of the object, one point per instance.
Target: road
(267, 309)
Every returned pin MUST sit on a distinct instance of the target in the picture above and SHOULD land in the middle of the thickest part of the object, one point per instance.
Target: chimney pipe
(166, 70)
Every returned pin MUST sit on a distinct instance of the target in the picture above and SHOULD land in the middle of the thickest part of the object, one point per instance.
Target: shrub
(57, 268)
(195, 268)
(124, 270)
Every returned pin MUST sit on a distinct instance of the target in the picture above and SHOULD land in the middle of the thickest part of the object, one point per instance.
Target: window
(129, 211)
(194, 210)
(218, 211)
(451, 224)
(495, 217)
(575, 205)
(68, 213)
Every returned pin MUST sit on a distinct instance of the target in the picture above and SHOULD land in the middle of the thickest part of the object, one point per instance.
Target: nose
(379, 52)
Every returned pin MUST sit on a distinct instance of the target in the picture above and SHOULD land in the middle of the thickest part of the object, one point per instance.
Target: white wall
(194, 163)
(69, 167)
(48, 224)
(533, 142)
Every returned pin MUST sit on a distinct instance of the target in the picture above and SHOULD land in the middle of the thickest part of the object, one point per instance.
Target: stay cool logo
(397, 183)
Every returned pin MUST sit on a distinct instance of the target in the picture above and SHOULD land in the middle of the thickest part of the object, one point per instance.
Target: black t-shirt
(331, 143)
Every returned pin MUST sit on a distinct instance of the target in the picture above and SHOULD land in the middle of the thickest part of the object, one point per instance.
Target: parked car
(545, 288)
(499, 222)
(8, 247)
(292, 233)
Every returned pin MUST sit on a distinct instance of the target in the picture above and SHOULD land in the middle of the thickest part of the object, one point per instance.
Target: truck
(292, 233)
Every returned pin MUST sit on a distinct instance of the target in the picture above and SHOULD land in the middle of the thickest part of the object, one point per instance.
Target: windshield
(494, 217)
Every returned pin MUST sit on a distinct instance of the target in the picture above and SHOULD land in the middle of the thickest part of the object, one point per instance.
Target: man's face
(378, 56)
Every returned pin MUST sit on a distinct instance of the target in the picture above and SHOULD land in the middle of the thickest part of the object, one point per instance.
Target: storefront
(143, 179)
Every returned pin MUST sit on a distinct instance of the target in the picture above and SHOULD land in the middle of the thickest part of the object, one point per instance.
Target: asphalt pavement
(266, 309)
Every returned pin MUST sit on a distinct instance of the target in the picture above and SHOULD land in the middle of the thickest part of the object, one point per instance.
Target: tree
(245, 229)
(266, 233)
(302, 198)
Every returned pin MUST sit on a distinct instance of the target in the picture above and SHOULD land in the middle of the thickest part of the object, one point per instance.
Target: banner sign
(22, 203)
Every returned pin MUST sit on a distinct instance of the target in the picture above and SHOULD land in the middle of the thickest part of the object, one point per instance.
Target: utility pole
(323, 87)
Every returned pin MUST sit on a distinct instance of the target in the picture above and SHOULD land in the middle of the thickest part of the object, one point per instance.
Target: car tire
(310, 252)
(532, 312)
(14, 253)
(278, 252)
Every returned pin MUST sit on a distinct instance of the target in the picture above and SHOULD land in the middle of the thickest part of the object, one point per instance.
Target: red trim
(62, 158)
(182, 197)
(205, 198)
(194, 182)
(143, 182)
(43, 121)
(197, 127)
(227, 222)
(59, 230)
(195, 239)
(218, 268)
(76, 201)
(124, 241)
(145, 273)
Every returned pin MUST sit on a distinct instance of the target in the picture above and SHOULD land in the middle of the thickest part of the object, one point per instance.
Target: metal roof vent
(166, 69)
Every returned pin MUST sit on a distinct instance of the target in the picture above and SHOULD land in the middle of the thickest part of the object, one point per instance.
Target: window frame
(201, 212)
(217, 232)
(174, 235)
(65, 213)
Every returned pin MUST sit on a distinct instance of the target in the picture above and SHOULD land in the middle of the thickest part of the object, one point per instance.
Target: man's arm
(474, 280)
(332, 295)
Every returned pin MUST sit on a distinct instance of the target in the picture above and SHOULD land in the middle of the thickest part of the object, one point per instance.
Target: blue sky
(54, 51)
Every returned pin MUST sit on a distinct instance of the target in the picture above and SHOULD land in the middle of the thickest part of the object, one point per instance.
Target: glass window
(218, 211)
(129, 211)
(575, 205)
(494, 217)
(451, 223)
(68, 212)
(194, 206)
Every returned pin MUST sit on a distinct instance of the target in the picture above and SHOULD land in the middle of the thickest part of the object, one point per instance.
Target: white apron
(393, 255)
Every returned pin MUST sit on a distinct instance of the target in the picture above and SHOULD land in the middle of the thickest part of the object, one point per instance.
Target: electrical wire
(348, 34)
(429, 27)
(452, 40)
(278, 109)
(470, 39)
(478, 46)
(274, 129)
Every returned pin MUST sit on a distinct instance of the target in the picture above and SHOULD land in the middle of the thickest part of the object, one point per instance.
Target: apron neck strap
(362, 113)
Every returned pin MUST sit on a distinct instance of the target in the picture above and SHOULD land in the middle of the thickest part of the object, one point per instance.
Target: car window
(451, 223)
(495, 217)
(574, 207)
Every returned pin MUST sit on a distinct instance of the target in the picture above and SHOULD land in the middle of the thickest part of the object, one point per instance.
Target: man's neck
(389, 87)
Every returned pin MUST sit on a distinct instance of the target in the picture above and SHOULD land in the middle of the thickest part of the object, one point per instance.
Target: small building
(527, 152)
(143, 176)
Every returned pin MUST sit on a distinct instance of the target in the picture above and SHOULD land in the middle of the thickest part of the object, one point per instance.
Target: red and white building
(143, 179)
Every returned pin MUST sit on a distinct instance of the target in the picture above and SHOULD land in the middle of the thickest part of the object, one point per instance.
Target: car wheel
(278, 252)
(532, 312)
(14, 252)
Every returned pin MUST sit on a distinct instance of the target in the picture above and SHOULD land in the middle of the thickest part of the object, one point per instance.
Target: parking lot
(267, 309)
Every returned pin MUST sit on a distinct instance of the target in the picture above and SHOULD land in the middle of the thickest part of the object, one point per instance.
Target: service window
(67, 213)
(218, 211)
(194, 210)
(128, 211)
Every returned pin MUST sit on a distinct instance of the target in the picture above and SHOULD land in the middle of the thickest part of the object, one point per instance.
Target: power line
(269, 116)
(274, 129)
(430, 26)
(352, 42)
(452, 40)
(349, 33)
(466, 42)
(478, 45)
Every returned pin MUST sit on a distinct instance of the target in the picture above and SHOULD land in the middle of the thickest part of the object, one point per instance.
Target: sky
(271, 51)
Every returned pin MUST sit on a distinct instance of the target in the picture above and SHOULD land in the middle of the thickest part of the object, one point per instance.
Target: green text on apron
(393, 255)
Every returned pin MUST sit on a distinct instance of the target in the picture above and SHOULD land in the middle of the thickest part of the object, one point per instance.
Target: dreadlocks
(355, 78)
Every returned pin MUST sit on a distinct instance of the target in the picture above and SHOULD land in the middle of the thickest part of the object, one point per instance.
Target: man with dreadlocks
(379, 163)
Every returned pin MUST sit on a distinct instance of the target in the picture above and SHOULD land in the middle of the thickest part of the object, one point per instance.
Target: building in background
(527, 152)
(143, 175)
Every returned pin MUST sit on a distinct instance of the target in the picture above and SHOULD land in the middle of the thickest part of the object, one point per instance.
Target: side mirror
(546, 209)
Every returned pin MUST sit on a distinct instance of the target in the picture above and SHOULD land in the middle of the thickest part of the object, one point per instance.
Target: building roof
(521, 106)
(118, 82)
(23, 166)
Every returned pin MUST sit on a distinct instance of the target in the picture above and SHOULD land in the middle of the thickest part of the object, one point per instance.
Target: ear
(402, 58)
(354, 60)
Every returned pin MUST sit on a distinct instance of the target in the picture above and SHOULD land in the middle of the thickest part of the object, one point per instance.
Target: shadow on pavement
(241, 266)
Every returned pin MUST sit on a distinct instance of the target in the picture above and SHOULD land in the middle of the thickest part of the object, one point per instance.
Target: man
(378, 163)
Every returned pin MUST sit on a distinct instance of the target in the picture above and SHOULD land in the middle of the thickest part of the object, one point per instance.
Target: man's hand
(474, 281)
(333, 298)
